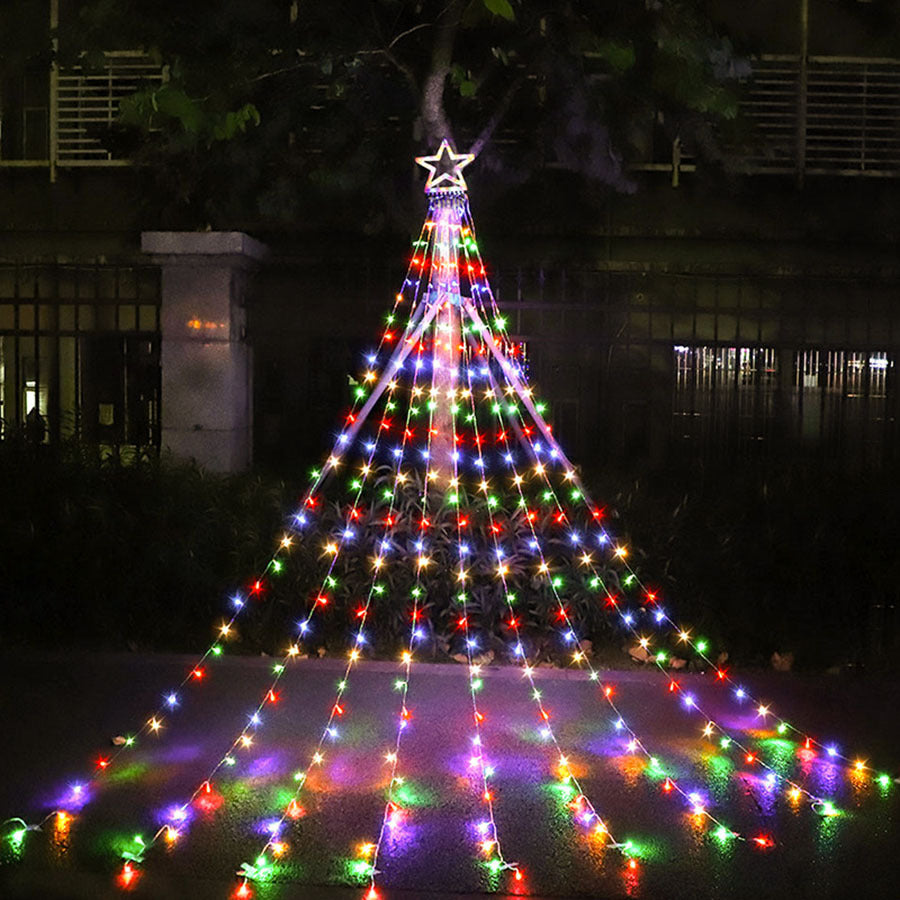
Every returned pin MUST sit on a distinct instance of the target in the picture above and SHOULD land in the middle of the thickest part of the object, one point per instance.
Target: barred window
(842, 397)
(724, 394)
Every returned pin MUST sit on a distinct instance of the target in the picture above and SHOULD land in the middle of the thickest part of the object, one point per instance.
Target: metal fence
(711, 364)
(79, 353)
(831, 115)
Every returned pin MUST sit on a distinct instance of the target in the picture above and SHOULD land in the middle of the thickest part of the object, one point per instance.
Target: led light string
(246, 735)
(178, 815)
(818, 803)
(391, 809)
(472, 247)
(258, 870)
(489, 837)
(172, 699)
(582, 806)
(154, 721)
(512, 380)
(722, 831)
(857, 765)
(580, 657)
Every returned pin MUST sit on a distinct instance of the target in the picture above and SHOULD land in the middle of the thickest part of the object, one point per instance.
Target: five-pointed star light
(445, 168)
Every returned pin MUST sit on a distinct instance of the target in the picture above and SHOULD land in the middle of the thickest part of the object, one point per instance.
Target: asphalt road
(59, 713)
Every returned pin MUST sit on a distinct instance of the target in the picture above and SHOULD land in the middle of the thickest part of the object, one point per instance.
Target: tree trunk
(434, 116)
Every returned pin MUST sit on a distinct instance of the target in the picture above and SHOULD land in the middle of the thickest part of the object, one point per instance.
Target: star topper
(445, 168)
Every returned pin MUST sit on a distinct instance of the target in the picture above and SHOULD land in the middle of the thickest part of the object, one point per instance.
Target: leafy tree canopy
(271, 105)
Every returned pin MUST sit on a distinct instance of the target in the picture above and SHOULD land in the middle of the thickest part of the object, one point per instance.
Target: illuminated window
(842, 398)
(724, 394)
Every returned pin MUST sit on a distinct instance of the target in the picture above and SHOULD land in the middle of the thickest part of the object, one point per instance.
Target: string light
(196, 672)
(447, 232)
(700, 646)
(589, 816)
(607, 693)
(391, 810)
(620, 551)
(388, 523)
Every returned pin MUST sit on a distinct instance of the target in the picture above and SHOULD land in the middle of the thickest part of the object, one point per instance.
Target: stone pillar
(206, 361)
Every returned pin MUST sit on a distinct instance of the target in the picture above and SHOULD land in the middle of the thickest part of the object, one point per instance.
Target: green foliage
(620, 56)
(169, 107)
(102, 554)
(463, 80)
(263, 118)
(99, 553)
(501, 8)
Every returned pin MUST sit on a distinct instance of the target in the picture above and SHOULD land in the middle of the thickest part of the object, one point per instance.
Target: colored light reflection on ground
(561, 791)
(779, 753)
(826, 776)
(128, 877)
(411, 793)
(61, 834)
(630, 767)
(431, 842)
(209, 800)
(718, 771)
(128, 773)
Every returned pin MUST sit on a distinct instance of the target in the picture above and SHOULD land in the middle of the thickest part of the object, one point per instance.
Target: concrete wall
(206, 360)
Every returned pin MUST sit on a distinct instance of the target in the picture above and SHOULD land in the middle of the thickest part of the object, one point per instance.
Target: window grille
(724, 395)
(88, 104)
(842, 399)
(852, 119)
(79, 353)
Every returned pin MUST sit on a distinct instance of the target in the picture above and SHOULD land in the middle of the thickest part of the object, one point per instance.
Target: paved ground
(59, 712)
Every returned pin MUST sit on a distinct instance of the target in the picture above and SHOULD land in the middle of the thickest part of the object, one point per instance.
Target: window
(834, 400)
(724, 395)
(79, 353)
(24, 116)
(842, 398)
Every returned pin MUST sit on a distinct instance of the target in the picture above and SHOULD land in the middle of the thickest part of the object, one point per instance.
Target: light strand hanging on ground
(393, 814)
(261, 868)
(487, 833)
(179, 814)
(740, 693)
(690, 702)
(80, 791)
(580, 657)
(581, 805)
(750, 757)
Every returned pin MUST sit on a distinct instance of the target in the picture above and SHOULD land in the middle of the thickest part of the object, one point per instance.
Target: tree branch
(497, 116)
(403, 34)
